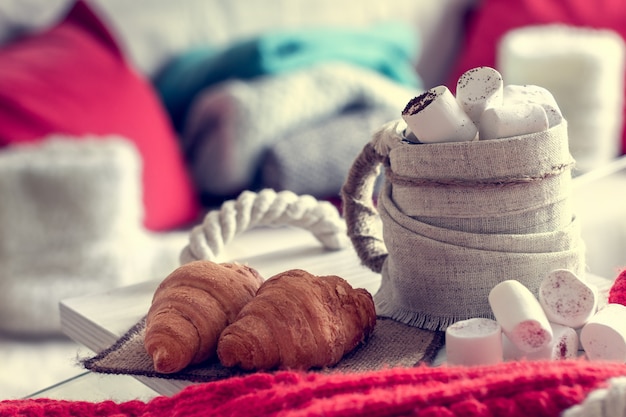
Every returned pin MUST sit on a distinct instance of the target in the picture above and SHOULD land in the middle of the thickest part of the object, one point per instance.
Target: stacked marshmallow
(552, 326)
(483, 109)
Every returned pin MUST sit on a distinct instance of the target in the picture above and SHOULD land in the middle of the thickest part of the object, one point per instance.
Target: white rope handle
(604, 402)
(265, 208)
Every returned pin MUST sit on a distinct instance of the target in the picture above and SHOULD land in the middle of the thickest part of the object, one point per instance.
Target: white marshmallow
(526, 94)
(564, 345)
(566, 299)
(512, 120)
(478, 89)
(519, 313)
(474, 342)
(604, 335)
(435, 116)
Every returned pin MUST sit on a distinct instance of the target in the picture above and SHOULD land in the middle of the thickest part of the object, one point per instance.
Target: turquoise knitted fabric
(389, 48)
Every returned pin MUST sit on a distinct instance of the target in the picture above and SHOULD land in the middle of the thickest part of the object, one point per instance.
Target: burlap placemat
(392, 344)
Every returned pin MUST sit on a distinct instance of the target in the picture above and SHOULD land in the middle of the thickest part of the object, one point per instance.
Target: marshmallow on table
(479, 89)
(566, 299)
(519, 313)
(533, 94)
(435, 116)
(604, 335)
(564, 345)
(474, 342)
(512, 120)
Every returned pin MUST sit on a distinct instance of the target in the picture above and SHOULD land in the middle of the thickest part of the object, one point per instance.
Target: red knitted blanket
(509, 389)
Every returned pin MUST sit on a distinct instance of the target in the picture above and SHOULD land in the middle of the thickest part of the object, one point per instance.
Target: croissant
(191, 307)
(298, 321)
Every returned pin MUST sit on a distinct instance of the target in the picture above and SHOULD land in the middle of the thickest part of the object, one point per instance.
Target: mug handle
(359, 211)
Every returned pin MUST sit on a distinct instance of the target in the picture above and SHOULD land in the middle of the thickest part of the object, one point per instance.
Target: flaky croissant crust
(298, 321)
(190, 309)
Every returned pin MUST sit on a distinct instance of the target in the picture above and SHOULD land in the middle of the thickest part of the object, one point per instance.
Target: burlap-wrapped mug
(452, 220)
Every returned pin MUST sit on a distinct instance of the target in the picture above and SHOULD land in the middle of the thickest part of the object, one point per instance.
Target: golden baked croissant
(298, 321)
(191, 307)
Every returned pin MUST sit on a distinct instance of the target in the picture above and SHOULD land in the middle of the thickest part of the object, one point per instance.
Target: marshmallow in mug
(512, 120)
(521, 316)
(479, 89)
(435, 116)
(566, 299)
(534, 94)
(525, 109)
(604, 335)
(474, 342)
(564, 345)
(483, 109)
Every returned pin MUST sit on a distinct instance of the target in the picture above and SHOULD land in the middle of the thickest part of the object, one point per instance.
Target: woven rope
(474, 183)
(605, 402)
(265, 208)
(361, 215)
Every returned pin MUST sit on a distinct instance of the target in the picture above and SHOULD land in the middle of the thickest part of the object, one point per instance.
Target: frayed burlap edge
(392, 344)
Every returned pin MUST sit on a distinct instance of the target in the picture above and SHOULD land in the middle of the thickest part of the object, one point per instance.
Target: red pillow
(73, 79)
(494, 18)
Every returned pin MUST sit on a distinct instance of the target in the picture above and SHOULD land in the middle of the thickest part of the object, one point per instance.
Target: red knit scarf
(617, 293)
(509, 389)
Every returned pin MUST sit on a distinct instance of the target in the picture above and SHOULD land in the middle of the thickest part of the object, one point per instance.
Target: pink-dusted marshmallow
(435, 116)
(564, 345)
(604, 335)
(566, 299)
(519, 313)
(474, 342)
